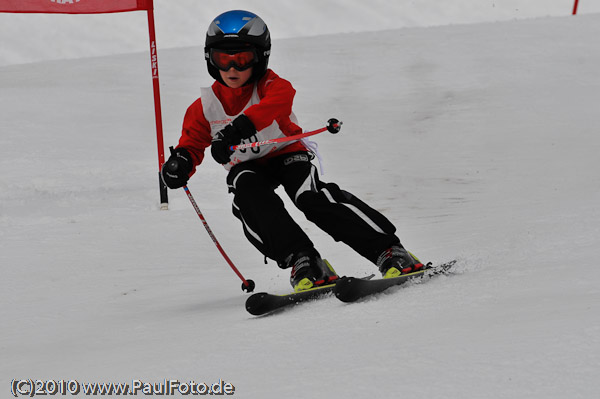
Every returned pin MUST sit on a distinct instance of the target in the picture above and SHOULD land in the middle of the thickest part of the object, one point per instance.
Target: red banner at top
(74, 6)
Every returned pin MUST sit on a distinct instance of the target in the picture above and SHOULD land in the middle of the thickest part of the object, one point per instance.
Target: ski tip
(344, 289)
(255, 303)
(445, 267)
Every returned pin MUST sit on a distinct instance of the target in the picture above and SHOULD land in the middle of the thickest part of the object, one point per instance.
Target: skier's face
(234, 78)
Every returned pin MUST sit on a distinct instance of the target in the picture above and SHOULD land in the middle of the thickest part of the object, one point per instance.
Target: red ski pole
(247, 285)
(333, 126)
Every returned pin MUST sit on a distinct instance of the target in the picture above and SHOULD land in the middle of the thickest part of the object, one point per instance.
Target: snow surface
(36, 37)
(479, 141)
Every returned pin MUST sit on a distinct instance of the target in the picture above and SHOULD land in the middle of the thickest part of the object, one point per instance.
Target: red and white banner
(101, 7)
(74, 6)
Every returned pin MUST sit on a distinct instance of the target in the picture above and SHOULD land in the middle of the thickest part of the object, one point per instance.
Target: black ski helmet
(237, 29)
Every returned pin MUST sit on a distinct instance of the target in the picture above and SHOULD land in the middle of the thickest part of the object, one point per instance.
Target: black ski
(350, 289)
(262, 303)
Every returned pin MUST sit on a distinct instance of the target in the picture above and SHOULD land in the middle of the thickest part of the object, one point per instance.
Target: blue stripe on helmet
(233, 21)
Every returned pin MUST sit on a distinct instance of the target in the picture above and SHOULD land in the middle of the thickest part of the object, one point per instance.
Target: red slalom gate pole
(247, 285)
(164, 199)
(575, 7)
(333, 126)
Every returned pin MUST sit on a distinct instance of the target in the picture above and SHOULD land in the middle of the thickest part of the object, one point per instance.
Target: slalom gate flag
(74, 6)
(101, 7)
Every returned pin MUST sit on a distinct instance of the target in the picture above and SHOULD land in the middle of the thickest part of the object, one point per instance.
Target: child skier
(249, 103)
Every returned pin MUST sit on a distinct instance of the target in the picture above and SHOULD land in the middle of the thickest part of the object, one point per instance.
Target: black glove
(232, 134)
(176, 171)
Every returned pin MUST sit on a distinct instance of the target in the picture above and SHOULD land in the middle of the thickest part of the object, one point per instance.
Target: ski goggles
(239, 59)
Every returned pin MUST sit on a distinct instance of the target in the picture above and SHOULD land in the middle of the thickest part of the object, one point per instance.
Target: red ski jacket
(276, 98)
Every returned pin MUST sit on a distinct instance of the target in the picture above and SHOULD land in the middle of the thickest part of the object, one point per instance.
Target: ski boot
(308, 270)
(396, 260)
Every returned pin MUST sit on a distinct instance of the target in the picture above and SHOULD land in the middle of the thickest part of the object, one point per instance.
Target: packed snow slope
(480, 142)
(179, 23)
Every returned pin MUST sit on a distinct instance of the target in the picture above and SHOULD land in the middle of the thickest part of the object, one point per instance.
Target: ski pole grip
(334, 126)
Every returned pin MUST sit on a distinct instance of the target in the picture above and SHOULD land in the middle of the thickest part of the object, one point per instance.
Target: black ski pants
(271, 229)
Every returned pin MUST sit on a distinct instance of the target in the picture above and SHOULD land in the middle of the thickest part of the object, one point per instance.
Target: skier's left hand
(232, 134)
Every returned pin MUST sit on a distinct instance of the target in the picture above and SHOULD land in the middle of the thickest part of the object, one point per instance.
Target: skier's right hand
(176, 171)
